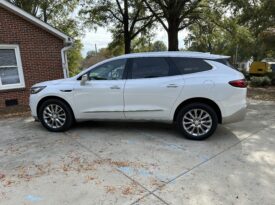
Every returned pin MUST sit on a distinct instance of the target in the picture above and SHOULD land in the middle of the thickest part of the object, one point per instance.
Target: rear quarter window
(225, 62)
(191, 65)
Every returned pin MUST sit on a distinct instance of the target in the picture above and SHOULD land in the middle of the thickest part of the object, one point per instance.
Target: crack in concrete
(152, 193)
(213, 157)
(118, 170)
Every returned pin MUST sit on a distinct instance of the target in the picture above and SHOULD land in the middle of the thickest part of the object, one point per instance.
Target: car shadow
(161, 129)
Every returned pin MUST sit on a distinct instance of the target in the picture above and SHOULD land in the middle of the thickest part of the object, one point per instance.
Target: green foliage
(246, 74)
(71, 28)
(260, 81)
(217, 26)
(143, 43)
(159, 46)
(174, 16)
(56, 10)
(75, 58)
(218, 33)
(57, 13)
(258, 17)
(125, 18)
(31, 6)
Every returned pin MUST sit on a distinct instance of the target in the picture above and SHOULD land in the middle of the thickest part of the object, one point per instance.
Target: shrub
(260, 81)
(246, 74)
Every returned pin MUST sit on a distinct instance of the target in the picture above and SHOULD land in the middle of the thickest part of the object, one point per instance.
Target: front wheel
(55, 115)
(197, 121)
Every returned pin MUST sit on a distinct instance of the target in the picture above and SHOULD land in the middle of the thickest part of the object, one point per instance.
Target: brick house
(31, 51)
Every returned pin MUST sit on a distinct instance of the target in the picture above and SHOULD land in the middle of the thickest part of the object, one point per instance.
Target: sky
(102, 37)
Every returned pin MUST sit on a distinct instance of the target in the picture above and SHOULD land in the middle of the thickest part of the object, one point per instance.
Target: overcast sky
(102, 37)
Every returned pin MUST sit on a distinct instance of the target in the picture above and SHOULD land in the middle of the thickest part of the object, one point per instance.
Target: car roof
(187, 54)
(182, 54)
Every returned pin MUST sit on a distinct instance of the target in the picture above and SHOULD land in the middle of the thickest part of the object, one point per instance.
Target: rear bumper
(235, 117)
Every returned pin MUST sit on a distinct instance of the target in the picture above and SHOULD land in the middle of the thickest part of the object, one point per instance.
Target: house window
(11, 72)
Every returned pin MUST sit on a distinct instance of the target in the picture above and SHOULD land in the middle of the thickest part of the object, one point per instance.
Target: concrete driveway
(138, 163)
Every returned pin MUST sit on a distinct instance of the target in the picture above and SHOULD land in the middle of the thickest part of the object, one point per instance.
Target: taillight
(239, 83)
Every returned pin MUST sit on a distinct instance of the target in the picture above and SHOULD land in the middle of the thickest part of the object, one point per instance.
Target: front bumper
(33, 101)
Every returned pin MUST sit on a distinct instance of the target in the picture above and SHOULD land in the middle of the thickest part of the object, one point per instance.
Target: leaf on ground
(2, 176)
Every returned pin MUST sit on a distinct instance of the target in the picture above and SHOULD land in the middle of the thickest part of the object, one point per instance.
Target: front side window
(11, 73)
(191, 65)
(150, 67)
(108, 71)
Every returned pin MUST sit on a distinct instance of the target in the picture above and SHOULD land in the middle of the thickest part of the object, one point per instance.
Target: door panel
(151, 98)
(102, 96)
(153, 93)
(101, 99)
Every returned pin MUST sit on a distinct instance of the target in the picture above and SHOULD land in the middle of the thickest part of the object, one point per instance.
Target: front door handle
(115, 87)
(172, 86)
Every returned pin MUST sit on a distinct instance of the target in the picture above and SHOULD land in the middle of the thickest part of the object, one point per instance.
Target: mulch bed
(14, 111)
(262, 93)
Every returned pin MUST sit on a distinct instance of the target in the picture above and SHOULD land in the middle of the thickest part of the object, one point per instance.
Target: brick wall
(40, 54)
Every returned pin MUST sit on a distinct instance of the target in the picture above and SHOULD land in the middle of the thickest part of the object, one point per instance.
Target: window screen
(191, 65)
(150, 67)
(8, 67)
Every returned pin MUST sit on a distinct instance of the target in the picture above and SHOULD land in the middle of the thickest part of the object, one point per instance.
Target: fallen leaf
(2, 176)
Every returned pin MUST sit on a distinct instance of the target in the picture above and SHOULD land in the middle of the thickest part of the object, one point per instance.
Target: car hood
(52, 82)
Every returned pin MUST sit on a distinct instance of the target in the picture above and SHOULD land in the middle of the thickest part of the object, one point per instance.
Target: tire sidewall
(204, 107)
(65, 107)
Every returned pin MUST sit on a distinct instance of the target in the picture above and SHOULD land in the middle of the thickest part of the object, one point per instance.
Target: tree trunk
(127, 36)
(127, 42)
(173, 41)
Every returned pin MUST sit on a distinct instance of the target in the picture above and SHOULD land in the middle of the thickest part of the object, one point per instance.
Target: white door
(153, 89)
(102, 96)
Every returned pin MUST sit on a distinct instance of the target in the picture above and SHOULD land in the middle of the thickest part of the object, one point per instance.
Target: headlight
(37, 89)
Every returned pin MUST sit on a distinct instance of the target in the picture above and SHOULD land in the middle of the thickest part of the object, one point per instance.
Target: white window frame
(21, 84)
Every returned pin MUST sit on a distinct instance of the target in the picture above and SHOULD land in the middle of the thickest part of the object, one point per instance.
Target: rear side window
(191, 65)
(224, 61)
(149, 67)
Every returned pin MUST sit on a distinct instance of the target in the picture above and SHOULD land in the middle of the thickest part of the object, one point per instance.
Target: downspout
(64, 58)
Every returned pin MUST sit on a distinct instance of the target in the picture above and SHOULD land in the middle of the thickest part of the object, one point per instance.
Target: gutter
(64, 58)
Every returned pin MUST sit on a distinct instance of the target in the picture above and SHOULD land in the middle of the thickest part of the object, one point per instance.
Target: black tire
(197, 106)
(69, 117)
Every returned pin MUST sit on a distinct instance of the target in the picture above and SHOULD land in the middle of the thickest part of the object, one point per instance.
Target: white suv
(196, 91)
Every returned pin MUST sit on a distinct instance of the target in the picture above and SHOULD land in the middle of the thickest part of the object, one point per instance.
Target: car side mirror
(84, 79)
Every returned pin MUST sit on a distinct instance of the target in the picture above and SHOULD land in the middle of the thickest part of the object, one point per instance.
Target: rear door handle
(115, 87)
(172, 86)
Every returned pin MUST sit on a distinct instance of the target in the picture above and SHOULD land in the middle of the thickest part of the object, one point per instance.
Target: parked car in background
(196, 91)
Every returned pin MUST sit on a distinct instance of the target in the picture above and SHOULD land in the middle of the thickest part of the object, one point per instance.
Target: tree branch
(134, 21)
(120, 8)
(155, 14)
(142, 28)
(115, 16)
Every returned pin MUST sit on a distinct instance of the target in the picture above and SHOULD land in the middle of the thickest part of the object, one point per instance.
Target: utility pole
(237, 51)
(95, 50)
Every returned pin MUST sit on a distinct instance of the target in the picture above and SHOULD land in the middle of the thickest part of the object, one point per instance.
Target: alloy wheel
(54, 116)
(197, 122)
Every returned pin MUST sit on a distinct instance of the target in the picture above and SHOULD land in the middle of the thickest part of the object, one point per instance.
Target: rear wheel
(55, 115)
(197, 121)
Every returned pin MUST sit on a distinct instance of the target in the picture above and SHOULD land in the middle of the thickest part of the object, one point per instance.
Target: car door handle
(115, 87)
(172, 86)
